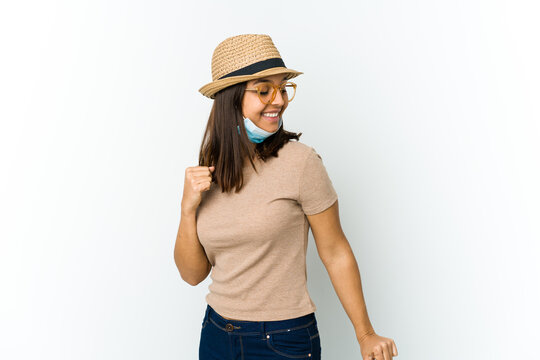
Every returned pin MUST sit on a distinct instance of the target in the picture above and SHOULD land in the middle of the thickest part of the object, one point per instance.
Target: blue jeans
(223, 339)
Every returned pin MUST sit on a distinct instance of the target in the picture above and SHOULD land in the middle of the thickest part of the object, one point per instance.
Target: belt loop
(263, 333)
(206, 312)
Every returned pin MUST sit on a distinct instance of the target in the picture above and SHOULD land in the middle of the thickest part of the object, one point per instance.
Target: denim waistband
(261, 328)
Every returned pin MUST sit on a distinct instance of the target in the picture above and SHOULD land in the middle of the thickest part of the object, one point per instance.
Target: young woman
(246, 212)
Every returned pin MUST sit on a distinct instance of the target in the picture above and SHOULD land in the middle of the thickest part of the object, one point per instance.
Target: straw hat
(242, 58)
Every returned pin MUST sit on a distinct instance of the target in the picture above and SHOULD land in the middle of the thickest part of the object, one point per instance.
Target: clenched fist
(197, 180)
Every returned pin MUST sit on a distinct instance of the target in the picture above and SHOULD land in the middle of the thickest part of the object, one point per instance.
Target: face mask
(255, 133)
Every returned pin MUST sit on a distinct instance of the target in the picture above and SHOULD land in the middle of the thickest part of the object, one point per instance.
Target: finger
(394, 348)
(192, 173)
(196, 180)
(386, 351)
(203, 182)
(206, 180)
(197, 170)
(203, 178)
(377, 354)
(197, 185)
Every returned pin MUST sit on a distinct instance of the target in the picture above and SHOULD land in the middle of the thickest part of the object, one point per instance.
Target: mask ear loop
(238, 126)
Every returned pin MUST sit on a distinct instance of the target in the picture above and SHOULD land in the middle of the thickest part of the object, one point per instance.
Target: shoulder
(294, 157)
(293, 154)
(296, 149)
(300, 153)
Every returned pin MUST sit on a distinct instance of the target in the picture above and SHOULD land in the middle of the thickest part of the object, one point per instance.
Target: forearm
(189, 255)
(345, 276)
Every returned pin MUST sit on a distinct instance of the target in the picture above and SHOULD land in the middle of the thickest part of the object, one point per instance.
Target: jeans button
(229, 327)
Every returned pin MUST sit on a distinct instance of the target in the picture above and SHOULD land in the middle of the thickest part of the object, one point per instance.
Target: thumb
(212, 168)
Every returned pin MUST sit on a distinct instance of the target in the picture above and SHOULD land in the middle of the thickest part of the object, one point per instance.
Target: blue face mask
(255, 133)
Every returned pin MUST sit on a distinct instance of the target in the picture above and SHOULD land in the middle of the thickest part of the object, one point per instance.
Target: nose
(278, 99)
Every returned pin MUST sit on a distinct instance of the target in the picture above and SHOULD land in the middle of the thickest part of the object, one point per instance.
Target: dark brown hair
(226, 149)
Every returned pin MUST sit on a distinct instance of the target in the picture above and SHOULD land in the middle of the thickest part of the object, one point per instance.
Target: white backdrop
(425, 114)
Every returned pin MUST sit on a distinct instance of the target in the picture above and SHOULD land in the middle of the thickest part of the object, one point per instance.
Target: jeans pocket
(315, 341)
(313, 331)
(293, 343)
(205, 320)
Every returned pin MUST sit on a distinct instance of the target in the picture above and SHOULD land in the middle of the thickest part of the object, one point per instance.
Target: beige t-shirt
(256, 240)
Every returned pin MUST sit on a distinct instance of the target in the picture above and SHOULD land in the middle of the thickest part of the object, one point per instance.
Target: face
(256, 111)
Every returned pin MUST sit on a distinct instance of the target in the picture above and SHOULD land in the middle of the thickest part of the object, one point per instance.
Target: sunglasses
(267, 91)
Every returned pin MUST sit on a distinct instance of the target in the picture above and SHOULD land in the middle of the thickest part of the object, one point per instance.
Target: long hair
(225, 148)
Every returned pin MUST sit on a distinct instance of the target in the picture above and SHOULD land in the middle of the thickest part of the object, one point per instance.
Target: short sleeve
(316, 192)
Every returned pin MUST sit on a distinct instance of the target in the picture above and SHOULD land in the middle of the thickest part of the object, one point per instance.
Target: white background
(426, 116)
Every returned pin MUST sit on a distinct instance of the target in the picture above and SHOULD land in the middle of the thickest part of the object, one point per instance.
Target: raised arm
(189, 255)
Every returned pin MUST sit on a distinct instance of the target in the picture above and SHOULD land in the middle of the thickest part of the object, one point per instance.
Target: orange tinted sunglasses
(288, 91)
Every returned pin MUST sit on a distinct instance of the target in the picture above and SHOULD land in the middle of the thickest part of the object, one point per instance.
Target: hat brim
(209, 90)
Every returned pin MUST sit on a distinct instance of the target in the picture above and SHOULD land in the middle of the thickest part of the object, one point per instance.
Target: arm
(338, 258)
(189, 255)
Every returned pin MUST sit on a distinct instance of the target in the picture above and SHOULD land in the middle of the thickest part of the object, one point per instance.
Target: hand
(197, 179)
(375, 347)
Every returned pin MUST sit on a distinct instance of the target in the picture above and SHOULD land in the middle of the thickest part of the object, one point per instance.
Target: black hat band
(256, 67)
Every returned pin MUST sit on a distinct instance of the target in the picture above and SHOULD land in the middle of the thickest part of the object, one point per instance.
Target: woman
(246, 212)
